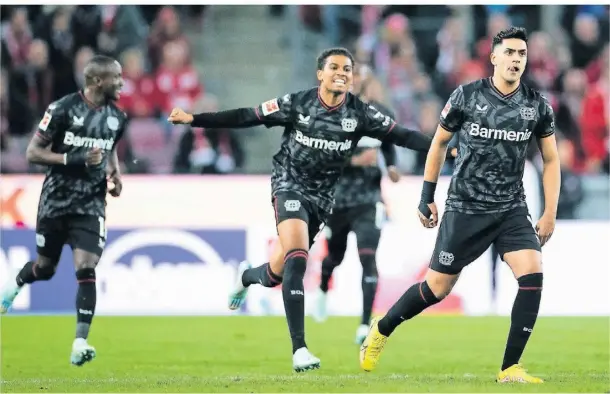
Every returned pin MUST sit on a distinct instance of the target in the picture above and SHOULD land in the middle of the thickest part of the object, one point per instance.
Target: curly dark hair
(512, 32)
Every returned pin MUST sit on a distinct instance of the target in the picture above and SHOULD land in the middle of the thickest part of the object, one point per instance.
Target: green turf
(252, 354)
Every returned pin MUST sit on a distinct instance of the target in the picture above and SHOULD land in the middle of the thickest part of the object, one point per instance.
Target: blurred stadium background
(196, 201)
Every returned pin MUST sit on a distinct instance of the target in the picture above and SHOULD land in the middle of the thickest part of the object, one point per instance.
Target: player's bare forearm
(436, 154)
(366, 158)
(551, 174)
(409, 139)
(37, 153)
(114, 168)
(231, 119)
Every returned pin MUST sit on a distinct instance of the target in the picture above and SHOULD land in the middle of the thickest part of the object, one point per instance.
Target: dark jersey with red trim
(73, 124)
(318, 141)
(361, 185)
(495, 131)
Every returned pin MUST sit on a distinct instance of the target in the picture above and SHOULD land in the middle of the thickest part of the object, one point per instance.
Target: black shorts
(462, 238)
(79, 231)
(292, 205)
(364, 220)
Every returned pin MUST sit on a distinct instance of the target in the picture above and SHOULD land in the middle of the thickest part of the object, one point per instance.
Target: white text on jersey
(320, 143)
(509, 135)
(88, 142)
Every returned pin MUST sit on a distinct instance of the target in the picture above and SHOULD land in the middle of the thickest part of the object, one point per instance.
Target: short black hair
(332, 52)
(512, 32)
(96, 67)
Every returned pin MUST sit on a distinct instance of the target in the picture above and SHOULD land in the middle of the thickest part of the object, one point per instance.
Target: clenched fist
(178, 116)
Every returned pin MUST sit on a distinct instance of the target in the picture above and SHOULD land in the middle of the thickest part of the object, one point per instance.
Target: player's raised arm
(275, 112)
(381, 127)
(451, 120)
(551, 171)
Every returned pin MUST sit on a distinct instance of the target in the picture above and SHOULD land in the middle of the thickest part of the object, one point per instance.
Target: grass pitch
(252, 354)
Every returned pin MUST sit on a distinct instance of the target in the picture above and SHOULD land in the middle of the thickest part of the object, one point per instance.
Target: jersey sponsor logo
(270, 107)
(87, 142)
(349, 125)
(499, 134)
(320, 143)
(44, 122)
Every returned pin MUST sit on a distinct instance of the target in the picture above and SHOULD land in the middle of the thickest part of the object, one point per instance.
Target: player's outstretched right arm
(271, 113)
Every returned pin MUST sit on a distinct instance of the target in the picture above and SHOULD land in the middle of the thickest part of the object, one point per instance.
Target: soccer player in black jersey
(322, 128)
(496, 119)
(359, 208)
(76, 140)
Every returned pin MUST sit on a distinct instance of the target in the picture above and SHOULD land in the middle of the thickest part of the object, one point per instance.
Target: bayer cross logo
(292, 205)
(528, 113)
(349, 125)
(445, 258)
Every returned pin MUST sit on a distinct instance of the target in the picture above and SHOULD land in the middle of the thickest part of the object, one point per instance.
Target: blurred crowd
(45, 48)
(419, 54)
(416, 54)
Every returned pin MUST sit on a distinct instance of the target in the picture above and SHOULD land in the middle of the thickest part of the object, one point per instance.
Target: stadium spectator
(177, 79)
(30, 89)
(83, 55)
(140, 96)
(165, 29)
(16, 39)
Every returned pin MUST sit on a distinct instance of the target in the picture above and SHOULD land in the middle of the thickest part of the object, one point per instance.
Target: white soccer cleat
(8, 295)
(320, 313)
(361, 333)
(238, 295)
(303, 360)
(82, 352)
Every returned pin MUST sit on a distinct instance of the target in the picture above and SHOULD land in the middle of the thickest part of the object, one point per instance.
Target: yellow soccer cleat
(371, 348)
(517, 374)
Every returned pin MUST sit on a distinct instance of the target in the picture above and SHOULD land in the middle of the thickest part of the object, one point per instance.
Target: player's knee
(44, 272)
(86, 265)
(86, 274)
(295, 264)
(531, 281)
(440, 284)
(369, 264)
(524, 262)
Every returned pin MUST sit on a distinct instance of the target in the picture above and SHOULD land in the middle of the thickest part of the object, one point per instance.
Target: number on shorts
(103, 231)
(379, 214)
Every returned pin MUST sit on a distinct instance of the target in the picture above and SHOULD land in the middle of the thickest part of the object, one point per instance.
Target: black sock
(261, 275)
(412, 303)
(293, 293)
(328, 266)
(31, 273)
(369, 285)
(523, 317)
(85, 301)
